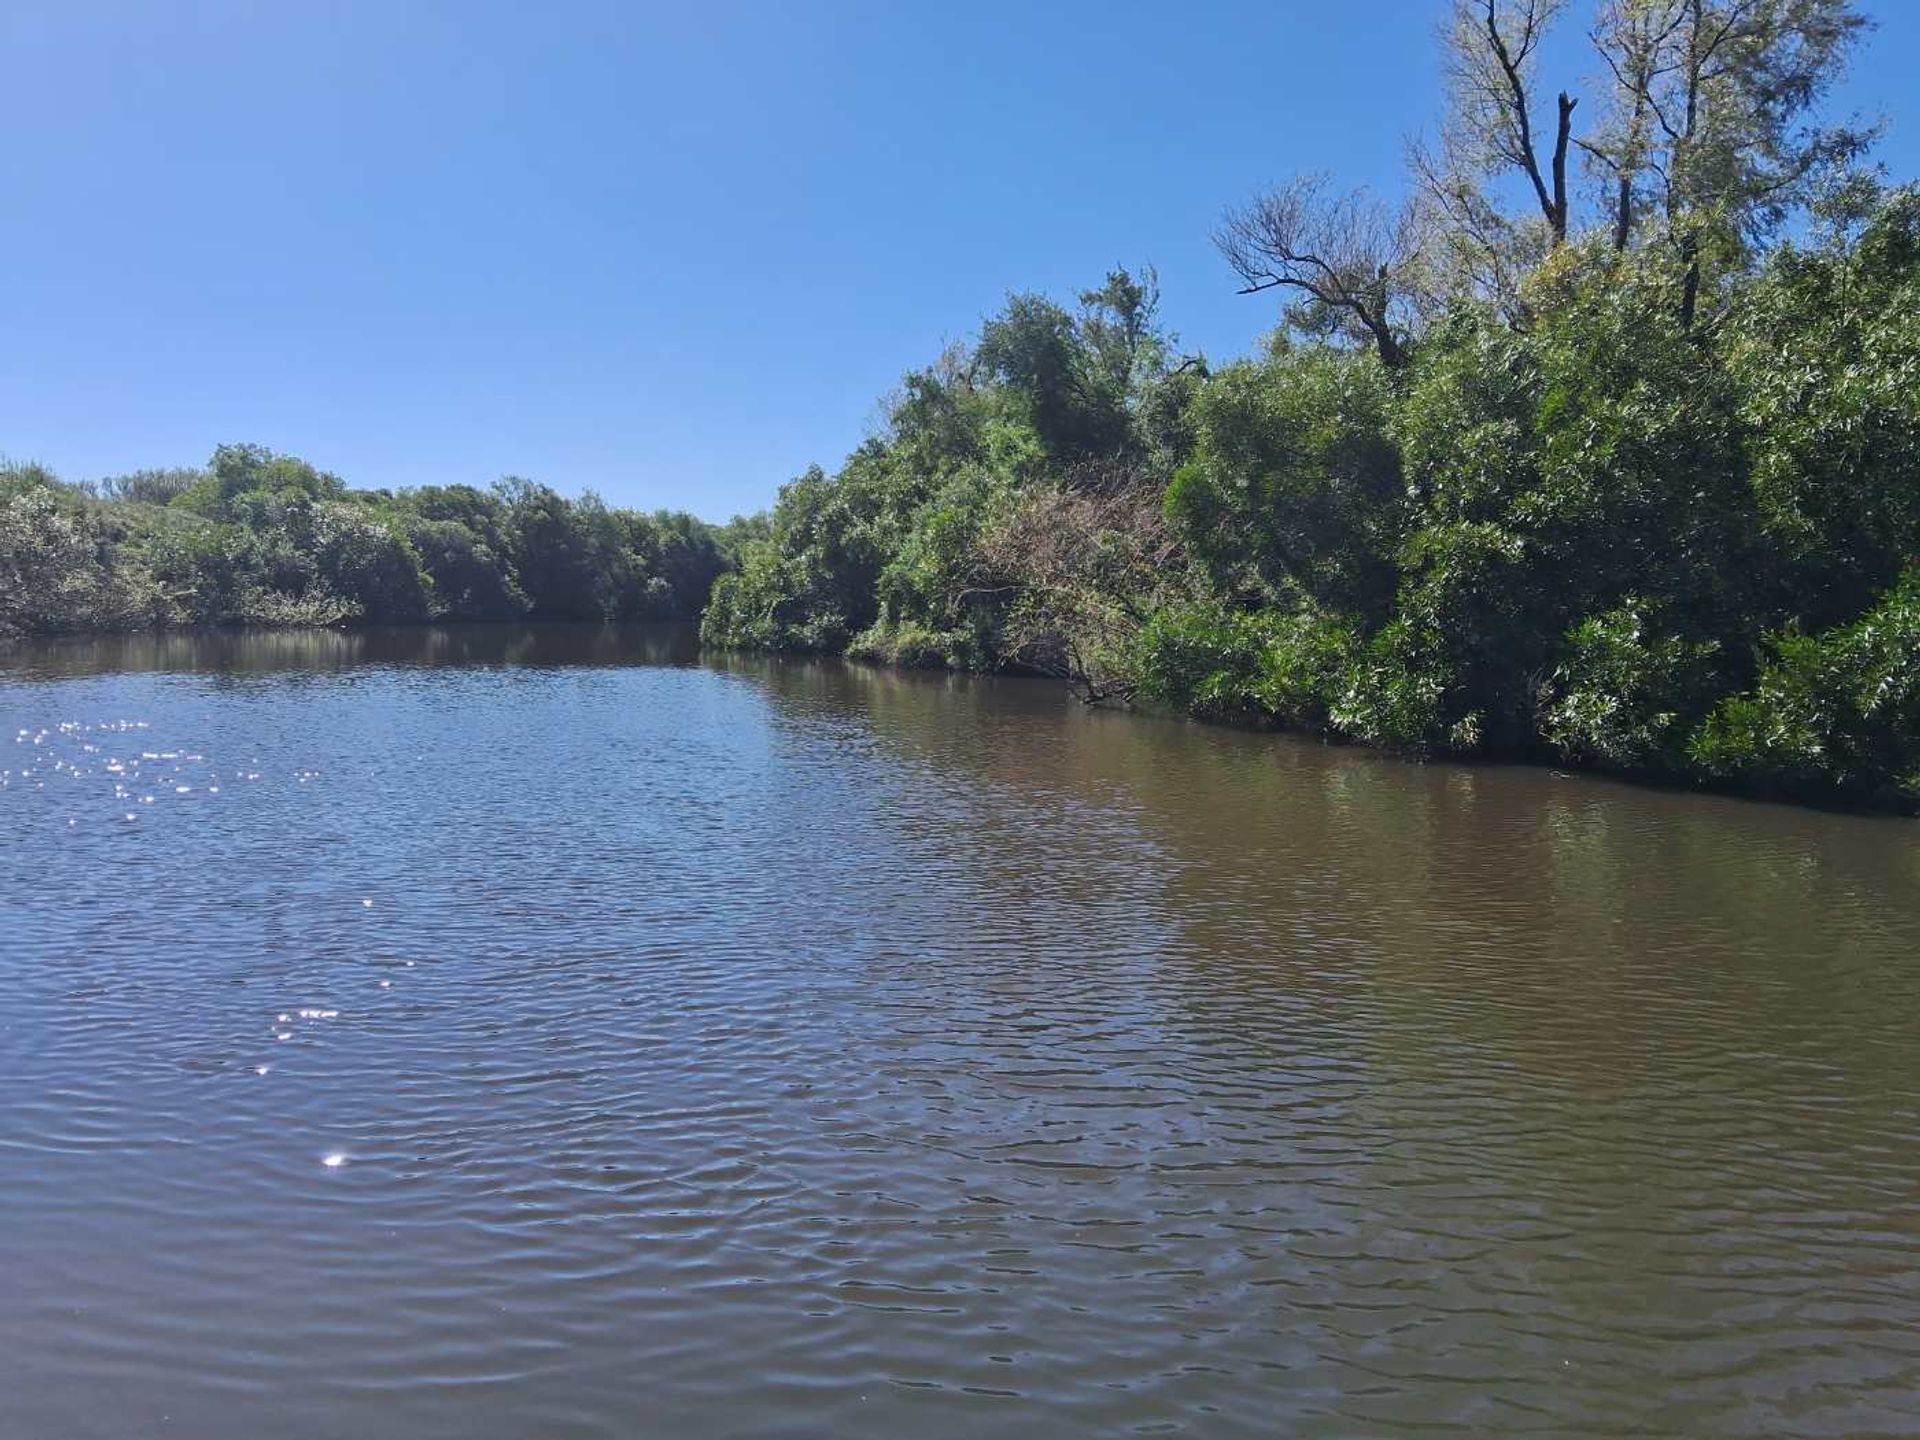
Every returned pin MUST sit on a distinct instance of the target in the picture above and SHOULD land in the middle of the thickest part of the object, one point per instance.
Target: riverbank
(1607, 536)
(1249, 721)
(499, 643)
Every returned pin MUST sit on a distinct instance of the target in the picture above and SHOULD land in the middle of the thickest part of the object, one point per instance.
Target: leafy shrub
(1295, 485)
(1628, 691)
(1217, 661)
(1838, 710)
(915, 647)
(1395, 691)
(1203, 657)
(56, 571)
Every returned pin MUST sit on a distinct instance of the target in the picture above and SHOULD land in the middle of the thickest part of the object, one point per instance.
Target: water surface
(772, 1049)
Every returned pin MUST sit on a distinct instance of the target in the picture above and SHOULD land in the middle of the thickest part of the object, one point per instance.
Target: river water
(546, 1033)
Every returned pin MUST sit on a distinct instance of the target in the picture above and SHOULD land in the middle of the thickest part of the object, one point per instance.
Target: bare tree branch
(1342, 253)
(1491, 46)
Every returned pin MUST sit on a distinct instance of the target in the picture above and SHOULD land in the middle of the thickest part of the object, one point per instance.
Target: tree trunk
(1557, 215)
(1392, 354)
(1690, 285)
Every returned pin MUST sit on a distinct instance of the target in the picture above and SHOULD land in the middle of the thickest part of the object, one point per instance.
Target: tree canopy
(263, 538)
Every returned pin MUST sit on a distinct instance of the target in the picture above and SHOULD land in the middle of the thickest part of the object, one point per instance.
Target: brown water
(777, 1049)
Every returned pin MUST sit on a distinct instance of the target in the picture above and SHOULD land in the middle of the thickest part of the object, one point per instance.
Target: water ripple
(476, 1039)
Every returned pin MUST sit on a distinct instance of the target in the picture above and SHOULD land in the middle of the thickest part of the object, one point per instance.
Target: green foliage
(680, 558)
(567, 560)
(238, 470)
(1568, 537)
(1066, 380)
(1401, 691)
(810, 584)
(1008, 515)
(56, 570)
(1627, 692)
(1825, 357)
(471, 579)
(1221, 662)
(1202, 656)
(330, 556)
(259, 538)
(1294, 487)
(1557, 473)
(1834, 712)
(914, 647)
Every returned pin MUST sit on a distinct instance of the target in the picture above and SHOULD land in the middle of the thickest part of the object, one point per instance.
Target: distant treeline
(263, 539)
(1619, 470)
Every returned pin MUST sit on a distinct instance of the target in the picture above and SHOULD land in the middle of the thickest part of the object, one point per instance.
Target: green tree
(1295, 487)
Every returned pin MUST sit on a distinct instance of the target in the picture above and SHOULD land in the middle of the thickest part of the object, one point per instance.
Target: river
(506, 1032)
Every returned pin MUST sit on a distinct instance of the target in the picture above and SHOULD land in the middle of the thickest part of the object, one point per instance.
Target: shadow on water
(260, 652)
(1597, 1057)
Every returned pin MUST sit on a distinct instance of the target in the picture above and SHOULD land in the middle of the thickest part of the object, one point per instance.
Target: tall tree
(1119, 327)
(1495, 122)
(1497, 135)
(1708, 140)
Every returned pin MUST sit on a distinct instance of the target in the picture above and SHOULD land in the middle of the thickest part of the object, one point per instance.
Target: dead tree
(1491, 47)
(1340, 255)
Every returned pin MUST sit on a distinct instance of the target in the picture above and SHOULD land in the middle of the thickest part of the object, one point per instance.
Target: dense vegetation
(1640, 493)
(260, 538)
(1602, 445)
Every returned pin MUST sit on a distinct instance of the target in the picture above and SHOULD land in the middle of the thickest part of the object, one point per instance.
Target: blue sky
(673, 253)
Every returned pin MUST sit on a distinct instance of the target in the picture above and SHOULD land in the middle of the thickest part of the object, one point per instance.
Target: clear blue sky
(673, 253)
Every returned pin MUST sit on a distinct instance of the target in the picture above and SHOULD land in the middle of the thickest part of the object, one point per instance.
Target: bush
(1629, 691)
(1837, 711)
(57, 570)
(1295, 485)
(914, 647)
(1203, 657)
(1216, 661)
(1397, 691)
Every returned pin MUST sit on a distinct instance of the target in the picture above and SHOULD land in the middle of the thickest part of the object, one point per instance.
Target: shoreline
(694, 650)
